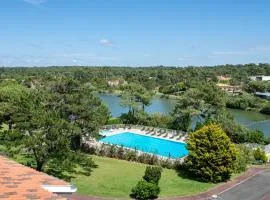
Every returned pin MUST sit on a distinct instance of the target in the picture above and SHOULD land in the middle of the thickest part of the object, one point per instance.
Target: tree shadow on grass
(72, 169)
(185, 174)
(67, 175)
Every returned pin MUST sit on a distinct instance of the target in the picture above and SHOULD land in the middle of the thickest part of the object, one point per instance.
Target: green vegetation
(152, 174)
(145, 190)
(244, 157)
(115, 178)
(148, 187)
(113, 151)
(47, 113)
(211, 155)
(260, 155)
(49, 123)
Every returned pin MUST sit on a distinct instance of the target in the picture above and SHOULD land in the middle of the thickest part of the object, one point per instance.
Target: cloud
(248, 51)
(229, 53)
(260, 49)
(34, 45)
(146, 55)
(57, 59)
(105, 42)
(83, 56)
(35, 2)
(180, 59)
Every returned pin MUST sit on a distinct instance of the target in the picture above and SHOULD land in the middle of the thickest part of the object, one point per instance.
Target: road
(255, 188)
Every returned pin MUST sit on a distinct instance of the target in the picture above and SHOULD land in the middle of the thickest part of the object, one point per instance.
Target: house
(264, 95)
(20, 182)
(223, 78)
(116, 83)
(235, 89)
(113, 83)
(260, 78)
(267, 151)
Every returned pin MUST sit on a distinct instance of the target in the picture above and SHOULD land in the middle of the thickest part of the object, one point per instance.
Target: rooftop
(263, 93)
(20, 182)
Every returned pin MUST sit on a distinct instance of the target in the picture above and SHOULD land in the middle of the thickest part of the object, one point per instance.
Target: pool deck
(139, 132)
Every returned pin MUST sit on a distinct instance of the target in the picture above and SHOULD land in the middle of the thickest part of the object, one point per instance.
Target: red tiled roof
(18, 182)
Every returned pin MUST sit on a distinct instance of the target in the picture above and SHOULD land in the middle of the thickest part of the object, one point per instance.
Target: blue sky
(134, 33)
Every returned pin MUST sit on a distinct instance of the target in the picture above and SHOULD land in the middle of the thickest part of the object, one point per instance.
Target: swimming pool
(148, 144)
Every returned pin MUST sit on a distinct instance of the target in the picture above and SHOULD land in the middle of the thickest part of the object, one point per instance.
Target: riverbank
(156, 94)
(165, 106)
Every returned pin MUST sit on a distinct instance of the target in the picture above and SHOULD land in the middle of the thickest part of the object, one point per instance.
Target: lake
(165, 106)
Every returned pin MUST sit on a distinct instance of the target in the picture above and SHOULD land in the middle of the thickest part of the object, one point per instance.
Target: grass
(115, 178)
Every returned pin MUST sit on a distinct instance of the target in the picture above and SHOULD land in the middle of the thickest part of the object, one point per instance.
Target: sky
(134, 32)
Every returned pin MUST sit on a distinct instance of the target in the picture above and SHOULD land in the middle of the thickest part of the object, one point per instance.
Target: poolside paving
(242, 187)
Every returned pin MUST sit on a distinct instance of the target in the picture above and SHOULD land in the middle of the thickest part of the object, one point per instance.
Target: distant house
(116, 83)
(264, 95)
(260, 78)
(113, 83)
(20, 182)
(235, 89)
(267, 151)
(223, 78)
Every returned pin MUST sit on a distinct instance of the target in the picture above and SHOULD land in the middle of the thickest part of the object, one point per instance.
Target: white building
(260, 78)
(267, 151)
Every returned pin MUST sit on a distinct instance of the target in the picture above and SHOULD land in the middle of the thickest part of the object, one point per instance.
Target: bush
(243, 158)
(114, 121)
(266, 109)
(145, 190)
(260, 155)
(120, 153)
(152, 174)
(130, 155)
(211, 154)
(255, 137)
(112, 151)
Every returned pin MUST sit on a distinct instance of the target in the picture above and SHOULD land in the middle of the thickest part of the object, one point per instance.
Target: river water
(248, 118)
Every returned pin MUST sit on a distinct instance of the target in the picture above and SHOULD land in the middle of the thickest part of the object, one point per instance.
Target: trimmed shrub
(152, 174)
(145, 190)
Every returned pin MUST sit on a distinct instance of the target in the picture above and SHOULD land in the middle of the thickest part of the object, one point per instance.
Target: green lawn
(115, 178)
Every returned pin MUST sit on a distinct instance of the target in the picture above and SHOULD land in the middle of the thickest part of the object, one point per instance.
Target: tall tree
(11, 96)
(135, 96)
(203, 103)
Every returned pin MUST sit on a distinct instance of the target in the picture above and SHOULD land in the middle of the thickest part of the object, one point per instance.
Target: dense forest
(165, 81)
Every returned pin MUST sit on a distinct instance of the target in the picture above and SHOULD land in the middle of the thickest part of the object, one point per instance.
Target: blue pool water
(148, 144)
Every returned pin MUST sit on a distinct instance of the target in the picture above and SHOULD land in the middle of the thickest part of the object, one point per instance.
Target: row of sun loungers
(174, 135)
(164, 133)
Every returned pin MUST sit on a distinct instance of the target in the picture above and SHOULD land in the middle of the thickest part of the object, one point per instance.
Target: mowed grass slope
(115, 178)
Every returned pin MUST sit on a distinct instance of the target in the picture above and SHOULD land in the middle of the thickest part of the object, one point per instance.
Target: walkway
(255, 188)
